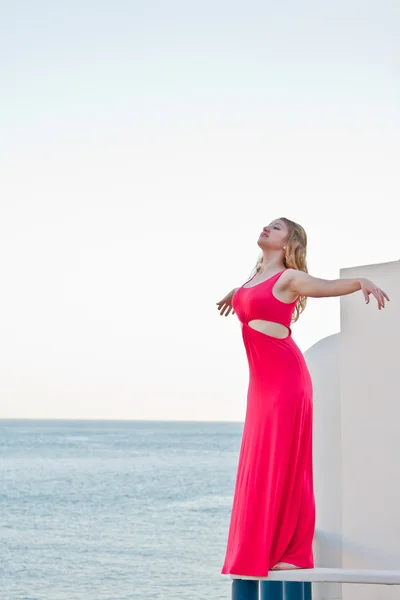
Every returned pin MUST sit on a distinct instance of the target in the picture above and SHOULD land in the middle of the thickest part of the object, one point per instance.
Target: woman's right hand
(225, 305)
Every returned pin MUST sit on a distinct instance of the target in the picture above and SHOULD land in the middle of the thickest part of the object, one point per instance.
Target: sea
(115, 510)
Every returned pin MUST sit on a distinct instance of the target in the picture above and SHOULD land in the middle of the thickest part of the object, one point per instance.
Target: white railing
(296, 584)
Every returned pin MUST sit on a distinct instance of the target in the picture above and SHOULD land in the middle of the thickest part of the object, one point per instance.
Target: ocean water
(95, 510)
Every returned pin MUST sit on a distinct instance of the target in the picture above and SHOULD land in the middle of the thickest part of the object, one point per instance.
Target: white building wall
(370, 430)
(357, 438)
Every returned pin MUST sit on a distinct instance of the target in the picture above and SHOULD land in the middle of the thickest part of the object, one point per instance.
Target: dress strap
(251, 278)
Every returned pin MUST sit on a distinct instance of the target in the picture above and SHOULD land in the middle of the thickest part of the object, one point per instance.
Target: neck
(272, 262)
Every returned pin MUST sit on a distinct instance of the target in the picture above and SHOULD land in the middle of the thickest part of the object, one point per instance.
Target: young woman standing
(273, 514)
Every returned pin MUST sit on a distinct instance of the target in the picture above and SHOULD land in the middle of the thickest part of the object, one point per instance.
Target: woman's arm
(225, 305)
(304, 284)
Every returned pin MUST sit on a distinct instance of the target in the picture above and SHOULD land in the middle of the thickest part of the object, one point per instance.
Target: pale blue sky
(143, 147)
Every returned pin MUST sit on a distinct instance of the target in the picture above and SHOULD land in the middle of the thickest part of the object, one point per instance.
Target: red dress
(273, 513)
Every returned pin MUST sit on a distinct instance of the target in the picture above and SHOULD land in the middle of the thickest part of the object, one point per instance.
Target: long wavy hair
(295, 258)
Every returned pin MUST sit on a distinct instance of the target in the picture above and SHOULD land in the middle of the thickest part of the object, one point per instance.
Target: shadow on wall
(323, 362)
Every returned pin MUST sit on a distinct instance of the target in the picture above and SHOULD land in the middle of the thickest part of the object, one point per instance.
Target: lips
(264, 234)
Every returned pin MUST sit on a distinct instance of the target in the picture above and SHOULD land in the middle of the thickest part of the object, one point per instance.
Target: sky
(143, 147)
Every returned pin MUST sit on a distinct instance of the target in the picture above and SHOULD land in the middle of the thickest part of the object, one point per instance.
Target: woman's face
(274, 235)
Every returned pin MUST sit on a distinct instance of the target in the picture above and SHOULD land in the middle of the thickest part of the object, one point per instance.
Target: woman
(273, 513)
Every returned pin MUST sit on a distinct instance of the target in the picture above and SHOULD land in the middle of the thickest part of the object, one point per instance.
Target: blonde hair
(295, 258)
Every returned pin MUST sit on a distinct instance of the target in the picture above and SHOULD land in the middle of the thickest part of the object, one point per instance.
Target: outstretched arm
(304, 284)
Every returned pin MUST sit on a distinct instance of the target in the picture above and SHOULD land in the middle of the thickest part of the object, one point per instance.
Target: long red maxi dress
(273, 513)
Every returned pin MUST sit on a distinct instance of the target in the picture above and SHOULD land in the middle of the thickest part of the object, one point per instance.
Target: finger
(223, 301)
(378, 298)
(385, 294)
(382, 298)
(223, 309)
(376, 295)
(227, 309)
(366, 295)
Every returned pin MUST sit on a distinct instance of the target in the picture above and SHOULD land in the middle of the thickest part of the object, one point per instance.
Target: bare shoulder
(291, 275)
(288, 284)
(283, 289)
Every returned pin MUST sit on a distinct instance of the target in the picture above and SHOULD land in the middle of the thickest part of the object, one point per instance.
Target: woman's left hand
(368, 287)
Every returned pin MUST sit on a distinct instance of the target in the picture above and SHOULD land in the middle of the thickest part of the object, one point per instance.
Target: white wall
(370, 430)
(357, 438)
